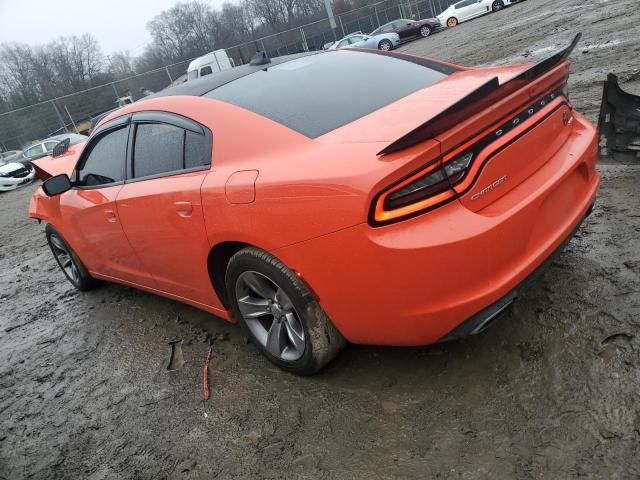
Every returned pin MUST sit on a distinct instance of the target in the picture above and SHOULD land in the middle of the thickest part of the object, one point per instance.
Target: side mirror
(57, 185)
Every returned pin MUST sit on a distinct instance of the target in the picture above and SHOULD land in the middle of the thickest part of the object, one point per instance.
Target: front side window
(205, 71)
(105, 162)
(343, 43)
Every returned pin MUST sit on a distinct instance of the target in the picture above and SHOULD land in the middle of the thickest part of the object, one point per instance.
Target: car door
(160, 204)
(464, 10)
(90, 221)
(406, 29)
(477, 8)
(358, 41)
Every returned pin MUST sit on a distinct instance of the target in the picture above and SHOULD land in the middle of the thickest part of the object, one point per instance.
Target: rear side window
(161, 148)
(106, 160)
(158, 149)
(319, 93)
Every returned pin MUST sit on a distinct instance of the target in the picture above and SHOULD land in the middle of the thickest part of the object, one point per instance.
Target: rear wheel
(497, 5)
(425, 31)
(279, 314)
(69, 263)
(452, 22)
(385, 45)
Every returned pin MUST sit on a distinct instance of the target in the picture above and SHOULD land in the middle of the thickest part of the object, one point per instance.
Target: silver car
(45, 147)
(383, 41)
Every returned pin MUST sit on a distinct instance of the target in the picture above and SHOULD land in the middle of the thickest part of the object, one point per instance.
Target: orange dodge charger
(323, 198)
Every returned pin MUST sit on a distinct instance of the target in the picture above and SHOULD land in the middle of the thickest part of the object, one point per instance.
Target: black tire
(83, 281)
(322, 340)
(497, 5)
(425, 31)
(452, 22)
(385, 45)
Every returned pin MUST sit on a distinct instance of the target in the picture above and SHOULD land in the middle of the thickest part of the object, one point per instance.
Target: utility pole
(75, 128)
(332, 20)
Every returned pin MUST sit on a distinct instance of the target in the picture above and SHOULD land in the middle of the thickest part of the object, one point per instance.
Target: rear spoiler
(476, 101)
(619, 121)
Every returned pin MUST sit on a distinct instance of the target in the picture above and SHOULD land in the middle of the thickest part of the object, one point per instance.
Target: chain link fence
(73, 113)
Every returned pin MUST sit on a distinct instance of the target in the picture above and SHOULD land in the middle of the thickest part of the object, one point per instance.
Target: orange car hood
(47, 167)
(396, 119)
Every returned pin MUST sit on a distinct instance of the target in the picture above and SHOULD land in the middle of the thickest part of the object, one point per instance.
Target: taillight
(432, 185)
(424, 190)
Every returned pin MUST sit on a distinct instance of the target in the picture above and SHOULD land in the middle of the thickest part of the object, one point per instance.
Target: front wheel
(385, 45)
(452, 22)
(279, 314)
(497, 5)
(69, 262)
(425, 31)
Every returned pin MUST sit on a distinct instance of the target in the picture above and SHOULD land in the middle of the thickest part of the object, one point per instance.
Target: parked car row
(392, 34)
(15, 165)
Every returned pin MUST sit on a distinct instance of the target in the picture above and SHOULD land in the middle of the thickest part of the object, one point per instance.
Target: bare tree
(121, 64)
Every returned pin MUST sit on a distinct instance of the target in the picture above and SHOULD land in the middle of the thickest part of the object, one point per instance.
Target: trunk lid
(47, 167)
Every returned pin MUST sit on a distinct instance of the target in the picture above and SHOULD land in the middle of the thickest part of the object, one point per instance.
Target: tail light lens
(432, 186)
(424, 190)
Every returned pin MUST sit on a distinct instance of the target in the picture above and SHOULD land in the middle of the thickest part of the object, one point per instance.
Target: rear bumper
(481, 320)
(415, 282)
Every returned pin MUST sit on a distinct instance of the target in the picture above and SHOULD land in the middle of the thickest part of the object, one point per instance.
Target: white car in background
(468, 9)
(14, 174)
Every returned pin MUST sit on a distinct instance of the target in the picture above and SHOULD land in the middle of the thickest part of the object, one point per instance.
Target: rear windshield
(319, 93)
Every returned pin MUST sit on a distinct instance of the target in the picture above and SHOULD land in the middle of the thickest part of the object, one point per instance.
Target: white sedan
(12, 175)
(468, 9)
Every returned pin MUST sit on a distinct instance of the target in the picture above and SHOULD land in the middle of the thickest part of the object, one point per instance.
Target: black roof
(205, 84)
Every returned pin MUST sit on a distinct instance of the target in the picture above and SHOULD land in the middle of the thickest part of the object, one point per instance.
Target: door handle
(184, 209)
(111, 216)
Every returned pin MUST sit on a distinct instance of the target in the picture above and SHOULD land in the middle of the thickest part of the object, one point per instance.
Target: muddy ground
(551, 391)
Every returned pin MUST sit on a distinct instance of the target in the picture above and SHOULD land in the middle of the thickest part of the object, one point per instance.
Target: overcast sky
(116, 24)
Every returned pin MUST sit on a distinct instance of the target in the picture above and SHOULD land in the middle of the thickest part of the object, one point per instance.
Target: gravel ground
(551, 391)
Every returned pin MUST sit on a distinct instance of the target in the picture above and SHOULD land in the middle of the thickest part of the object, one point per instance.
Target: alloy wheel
(386, 46)
(270, 316)
(425, 31)
(65, 259)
